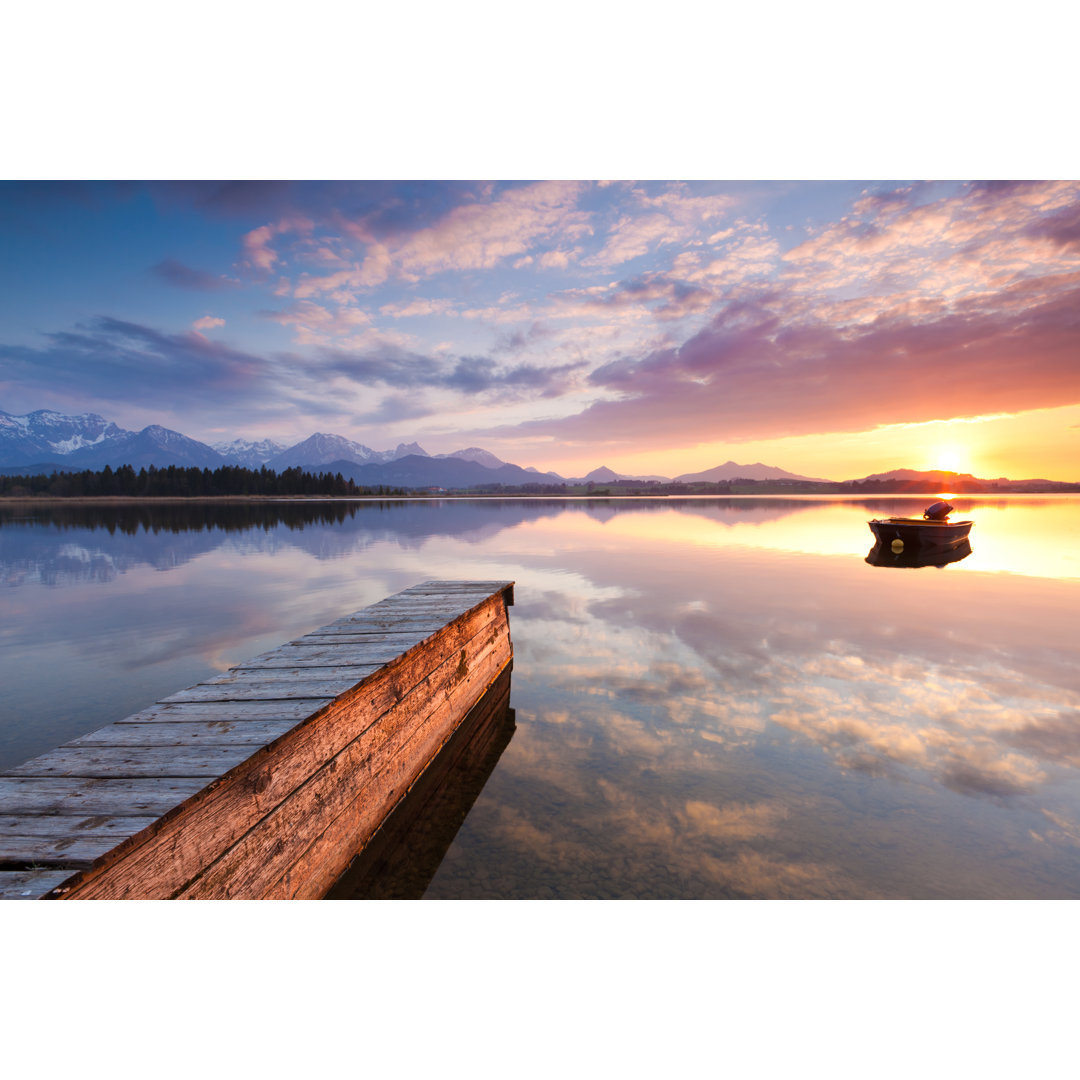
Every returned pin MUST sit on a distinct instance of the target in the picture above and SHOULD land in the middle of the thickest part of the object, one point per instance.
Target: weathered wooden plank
(74, 825)
(350, 674)
(403, 856)
(423, 605)
(293, 840)
(343, 635)
(411, 617)
(450, 585)
(108, 761)
(194, 836)
(330, 654)
(268, 689)
(254, 782)
(84, 798)
(313, 873)
(394, 620)
(425, 624)
(482, 588)
(64, 841)
(295, 709)
(250, 734)
(30, 884)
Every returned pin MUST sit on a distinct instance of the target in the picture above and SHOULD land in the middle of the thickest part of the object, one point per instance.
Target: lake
(711, 697)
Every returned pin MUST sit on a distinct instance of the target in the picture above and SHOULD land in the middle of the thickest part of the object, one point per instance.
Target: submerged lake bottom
(711, 698)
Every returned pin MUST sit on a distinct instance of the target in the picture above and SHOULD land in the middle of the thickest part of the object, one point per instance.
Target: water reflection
(403, 856)
(885, 555)
(61, 542)
(714, 698)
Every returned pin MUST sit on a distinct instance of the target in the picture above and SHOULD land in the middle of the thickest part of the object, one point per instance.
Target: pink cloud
(979, 240)
(419, 307)
(558, 260)
(314, 324)
(257, 252)
(207, 322)
(479, 236)
(473, 235)
(674, 216)
(756, 372)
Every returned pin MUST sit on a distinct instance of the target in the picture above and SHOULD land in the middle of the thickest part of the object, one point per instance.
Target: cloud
(1055, 740)
(315, 324)
(664, 297)
(184, 277)
(258, 255)
(977, 241)
(420, 306)
(999, 778)
(558, 259)
(754, 372)
(672, 217)
(523, 338)
(123, 362)
(1061, 229)
(397, 408)
(469, 375)
(483, 235)
(472, 235)
(207, 322)
(373, 207)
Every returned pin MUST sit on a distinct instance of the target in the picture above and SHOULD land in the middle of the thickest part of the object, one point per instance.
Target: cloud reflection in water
(715, 698)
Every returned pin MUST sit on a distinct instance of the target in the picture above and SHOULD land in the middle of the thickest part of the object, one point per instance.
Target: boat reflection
(884, 555)
(403, 856)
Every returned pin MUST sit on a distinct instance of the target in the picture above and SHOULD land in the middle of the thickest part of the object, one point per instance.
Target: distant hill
(932, 480)
(603, 475)
(731, 470)
(933, 476)
(413, 471)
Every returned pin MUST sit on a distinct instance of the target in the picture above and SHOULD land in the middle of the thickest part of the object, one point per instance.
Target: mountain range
(44, 441)
(47, 441)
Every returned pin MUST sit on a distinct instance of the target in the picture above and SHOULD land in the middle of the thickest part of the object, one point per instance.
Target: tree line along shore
(235, 481)
(179, 482)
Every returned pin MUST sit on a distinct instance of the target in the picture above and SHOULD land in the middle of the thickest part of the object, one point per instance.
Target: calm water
(712, 697)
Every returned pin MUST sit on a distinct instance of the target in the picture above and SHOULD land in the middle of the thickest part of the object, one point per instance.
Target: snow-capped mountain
(322, 449)
(475, 453)
(153, 445)
(47, 440)
(247, 453)
(89, 441)
(44, 434)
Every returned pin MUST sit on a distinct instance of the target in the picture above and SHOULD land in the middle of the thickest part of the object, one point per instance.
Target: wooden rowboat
(933, 531)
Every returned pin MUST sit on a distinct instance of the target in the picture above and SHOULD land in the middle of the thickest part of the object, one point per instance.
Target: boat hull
(883, 555)
(920, 535)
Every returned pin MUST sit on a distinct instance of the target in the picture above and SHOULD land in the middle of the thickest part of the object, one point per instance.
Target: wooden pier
(265, 782)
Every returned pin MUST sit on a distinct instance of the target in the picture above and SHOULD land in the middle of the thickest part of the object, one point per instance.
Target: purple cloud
(400, 369)
(110, 359)
(754, 373)
(184, 277)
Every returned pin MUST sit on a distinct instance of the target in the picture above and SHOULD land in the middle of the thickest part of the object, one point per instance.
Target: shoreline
(829, 496)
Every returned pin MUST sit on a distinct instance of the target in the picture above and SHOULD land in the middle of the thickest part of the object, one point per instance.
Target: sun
(949, 458)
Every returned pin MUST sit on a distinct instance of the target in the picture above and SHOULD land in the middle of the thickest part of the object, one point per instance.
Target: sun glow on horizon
(951, 459)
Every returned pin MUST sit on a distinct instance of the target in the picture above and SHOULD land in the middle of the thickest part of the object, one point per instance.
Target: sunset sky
(834, 329)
